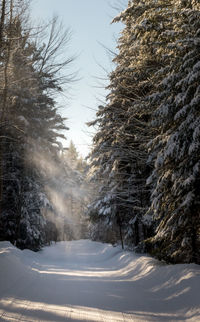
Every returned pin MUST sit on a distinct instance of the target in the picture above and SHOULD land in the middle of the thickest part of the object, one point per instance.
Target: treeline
(145, 162)
(32, 169)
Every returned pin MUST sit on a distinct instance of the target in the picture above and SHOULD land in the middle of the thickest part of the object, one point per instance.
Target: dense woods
(146, 150)
(33, 170)
(141, 182)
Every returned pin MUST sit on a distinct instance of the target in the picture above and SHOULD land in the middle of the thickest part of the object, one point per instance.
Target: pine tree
(175, 198)
(32, 129)
(76, 193)
(72, 155)
(120, 154)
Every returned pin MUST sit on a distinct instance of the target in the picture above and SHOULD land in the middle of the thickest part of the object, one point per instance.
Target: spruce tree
(175, 197)
(33, 124)
(120, 156)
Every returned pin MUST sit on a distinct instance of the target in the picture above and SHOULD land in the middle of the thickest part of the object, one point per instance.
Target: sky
(92, 31)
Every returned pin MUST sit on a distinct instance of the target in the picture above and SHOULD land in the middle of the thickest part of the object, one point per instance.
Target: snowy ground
(88, 281)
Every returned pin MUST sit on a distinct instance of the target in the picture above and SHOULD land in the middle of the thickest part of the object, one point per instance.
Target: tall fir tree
(32, 128)
(153, 104)
(175, 197)
(121, 153)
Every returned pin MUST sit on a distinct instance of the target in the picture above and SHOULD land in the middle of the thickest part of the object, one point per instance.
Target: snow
(24, 120)
(89, 281)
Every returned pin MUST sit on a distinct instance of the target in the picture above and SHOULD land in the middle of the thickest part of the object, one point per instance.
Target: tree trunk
(137, 236)
(121, 236)
(3, 8)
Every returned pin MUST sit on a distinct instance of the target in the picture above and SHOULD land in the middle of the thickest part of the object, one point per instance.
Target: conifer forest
(140, 184)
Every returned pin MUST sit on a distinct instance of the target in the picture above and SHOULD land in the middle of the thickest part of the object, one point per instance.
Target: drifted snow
(90, 281)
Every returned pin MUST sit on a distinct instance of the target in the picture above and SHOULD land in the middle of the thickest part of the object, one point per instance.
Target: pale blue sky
(90, 22)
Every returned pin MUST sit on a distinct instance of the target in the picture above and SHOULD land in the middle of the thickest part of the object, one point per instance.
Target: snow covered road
(89, 281)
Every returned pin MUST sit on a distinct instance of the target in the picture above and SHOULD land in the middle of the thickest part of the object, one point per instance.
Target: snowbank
(84, 280)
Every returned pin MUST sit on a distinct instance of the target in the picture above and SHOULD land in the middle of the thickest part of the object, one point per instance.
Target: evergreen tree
(76, 193)
(175, 197)
(33, 123)
(72, 155)
(120, 154)
(153, 103)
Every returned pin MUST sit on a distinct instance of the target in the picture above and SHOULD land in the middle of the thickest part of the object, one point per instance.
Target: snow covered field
(88, 281)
